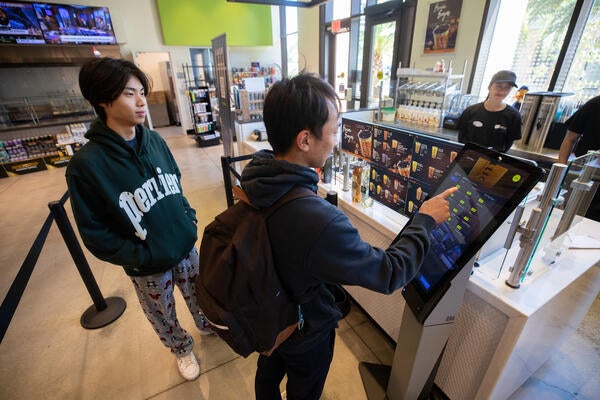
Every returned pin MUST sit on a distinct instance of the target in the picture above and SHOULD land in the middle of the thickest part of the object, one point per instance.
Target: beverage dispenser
(543, 115)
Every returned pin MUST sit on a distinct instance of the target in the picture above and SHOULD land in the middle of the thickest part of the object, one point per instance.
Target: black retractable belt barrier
(228, 170)
(11, 301)
(102, 313)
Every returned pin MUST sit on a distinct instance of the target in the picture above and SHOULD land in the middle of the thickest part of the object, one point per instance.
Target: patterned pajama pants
(155, 293)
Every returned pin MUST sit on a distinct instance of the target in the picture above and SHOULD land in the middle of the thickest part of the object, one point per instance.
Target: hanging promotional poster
(442, 26)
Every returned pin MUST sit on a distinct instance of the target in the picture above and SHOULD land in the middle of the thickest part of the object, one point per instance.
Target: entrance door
(342, 51)
(388, 39)
(162, 101)
(379, 59)
(338, 57)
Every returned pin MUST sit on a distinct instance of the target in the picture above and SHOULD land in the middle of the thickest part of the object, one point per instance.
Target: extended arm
(567, 146)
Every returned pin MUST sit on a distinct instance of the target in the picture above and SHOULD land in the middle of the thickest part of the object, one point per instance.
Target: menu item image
(417, 192)
(357, 138)
(392, 149)
(387, 188)
(431, 157)
(365, 138)
(486, 173)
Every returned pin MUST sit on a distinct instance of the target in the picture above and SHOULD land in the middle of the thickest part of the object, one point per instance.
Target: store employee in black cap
(492, 123)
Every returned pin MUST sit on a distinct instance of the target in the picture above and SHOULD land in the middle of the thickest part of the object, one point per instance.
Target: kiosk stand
(490, 187)
(419, 349)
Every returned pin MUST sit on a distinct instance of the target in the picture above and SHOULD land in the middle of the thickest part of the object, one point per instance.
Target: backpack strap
(296, 193)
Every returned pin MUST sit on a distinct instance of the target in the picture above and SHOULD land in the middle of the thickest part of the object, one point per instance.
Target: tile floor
(46, 354)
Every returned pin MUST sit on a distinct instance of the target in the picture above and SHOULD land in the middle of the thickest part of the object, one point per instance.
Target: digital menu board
(393, 150)
(387, 188)
(416, 193)
(431, 157)
(18, 24)
(357, 138)
(491, 185)
(410, 162)
(74, 24)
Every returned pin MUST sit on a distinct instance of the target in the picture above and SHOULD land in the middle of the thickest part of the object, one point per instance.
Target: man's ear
(303, 140)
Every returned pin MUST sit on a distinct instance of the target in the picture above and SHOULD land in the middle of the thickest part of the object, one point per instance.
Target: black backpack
(238, 288)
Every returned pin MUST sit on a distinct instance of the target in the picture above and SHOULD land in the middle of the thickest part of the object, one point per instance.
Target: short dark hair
(102, 80)
(295, 104)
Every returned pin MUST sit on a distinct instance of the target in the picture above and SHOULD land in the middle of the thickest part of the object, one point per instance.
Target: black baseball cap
(504, 76)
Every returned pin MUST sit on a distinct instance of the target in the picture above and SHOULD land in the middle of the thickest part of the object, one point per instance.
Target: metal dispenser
(346, 172)
(539, 112)
(532, 232)
(577, 203)
(579, 190)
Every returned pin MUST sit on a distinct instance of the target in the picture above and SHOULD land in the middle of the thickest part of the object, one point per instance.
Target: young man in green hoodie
(129, 206)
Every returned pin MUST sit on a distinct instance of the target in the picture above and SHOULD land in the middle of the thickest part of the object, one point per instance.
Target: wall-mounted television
(74, 24)
(18, 24)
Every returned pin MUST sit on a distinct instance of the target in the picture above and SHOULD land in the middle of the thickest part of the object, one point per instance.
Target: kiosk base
(375, 379)
(419, 350)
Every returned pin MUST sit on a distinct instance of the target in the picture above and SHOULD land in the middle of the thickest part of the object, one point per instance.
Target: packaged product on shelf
(4, 157)
(15, 150)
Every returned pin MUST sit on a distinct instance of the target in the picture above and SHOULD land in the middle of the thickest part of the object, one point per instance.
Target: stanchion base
(94, 319)
(518, 285)
(375, 379)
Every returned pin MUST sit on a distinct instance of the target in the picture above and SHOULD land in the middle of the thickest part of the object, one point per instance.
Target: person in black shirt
(492, 123)
(583, 135)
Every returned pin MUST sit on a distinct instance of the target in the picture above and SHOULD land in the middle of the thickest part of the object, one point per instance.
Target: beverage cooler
(544, 115)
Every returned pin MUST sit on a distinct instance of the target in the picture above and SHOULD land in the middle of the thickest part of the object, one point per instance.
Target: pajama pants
(155, 293)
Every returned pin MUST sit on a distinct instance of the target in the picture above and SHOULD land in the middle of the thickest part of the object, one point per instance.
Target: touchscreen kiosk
(491, 185)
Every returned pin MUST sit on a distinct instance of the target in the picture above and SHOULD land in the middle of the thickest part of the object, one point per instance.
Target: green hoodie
(129, 206)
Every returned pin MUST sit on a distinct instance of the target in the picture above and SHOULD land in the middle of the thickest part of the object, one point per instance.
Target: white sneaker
(188, 366)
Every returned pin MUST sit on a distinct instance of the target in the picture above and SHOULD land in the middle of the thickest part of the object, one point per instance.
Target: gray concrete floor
(46, 354)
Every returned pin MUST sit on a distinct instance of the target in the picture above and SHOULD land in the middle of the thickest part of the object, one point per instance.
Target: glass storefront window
(341, 9)
(291, 34)
(382, 51)
(583, 77)
(359, 56)
(535, 44)
(342, 51)
(293, 63)
(291, 20)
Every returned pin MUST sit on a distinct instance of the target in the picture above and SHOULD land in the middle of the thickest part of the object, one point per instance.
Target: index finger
(447, 192)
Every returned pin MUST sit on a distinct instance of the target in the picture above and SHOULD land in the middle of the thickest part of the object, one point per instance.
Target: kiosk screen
(491, 185)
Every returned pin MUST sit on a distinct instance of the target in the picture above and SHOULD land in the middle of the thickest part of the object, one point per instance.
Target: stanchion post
(103, 312)
(227, 180)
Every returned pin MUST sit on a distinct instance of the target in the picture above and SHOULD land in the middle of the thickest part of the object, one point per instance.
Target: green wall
(196, 22)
